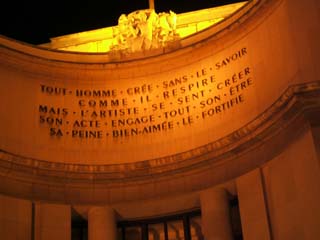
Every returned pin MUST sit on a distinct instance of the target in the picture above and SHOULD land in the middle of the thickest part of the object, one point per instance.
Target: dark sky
(35, 22)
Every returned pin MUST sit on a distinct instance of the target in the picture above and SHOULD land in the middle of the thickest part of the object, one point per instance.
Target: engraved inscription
(168, 104)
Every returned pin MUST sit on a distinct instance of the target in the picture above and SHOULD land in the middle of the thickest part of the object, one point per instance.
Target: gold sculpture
(144, 30)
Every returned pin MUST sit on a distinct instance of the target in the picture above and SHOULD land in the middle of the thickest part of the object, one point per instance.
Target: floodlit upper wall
(125, 118)
(100, 40)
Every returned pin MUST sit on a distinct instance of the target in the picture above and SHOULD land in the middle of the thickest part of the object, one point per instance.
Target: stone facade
(233, 112)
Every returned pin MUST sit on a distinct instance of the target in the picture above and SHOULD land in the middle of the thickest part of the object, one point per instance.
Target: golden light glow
(101, 40)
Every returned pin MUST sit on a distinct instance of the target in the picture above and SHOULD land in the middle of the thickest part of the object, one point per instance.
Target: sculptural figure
(144, 30)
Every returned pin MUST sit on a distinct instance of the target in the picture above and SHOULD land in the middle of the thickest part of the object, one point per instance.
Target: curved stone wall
(113, 120)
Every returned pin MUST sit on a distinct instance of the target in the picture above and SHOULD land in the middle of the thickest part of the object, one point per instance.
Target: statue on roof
(144, 30)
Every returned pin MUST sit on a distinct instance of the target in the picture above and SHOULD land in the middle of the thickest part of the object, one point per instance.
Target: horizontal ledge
(296, 101)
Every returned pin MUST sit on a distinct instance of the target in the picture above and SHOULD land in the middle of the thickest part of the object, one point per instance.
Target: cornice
(297, 101)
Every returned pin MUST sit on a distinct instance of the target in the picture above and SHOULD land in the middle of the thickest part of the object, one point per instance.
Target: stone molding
(217, 162)
(298, 100)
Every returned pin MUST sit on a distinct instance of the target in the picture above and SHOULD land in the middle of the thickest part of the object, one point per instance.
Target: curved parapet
(76, 122)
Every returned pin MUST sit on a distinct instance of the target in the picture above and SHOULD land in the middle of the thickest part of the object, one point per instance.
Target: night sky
(36, 22)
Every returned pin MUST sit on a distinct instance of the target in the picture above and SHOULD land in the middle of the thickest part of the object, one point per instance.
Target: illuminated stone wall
(149, 108)
(226, 91)
(235, 110)
(152, 115)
